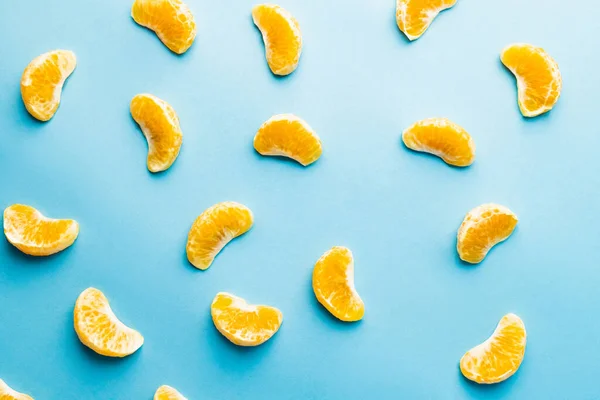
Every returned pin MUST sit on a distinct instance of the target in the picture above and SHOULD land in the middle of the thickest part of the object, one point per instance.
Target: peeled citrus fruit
(171, 20)
(538, 78)
(99, 329)
(483, 228)
(34, 234)
(166, 392)
(160, 126)
(288, 136)
(6, 393)
(242, 323)
(213, 229)
(333, 284)
(443, 138)
(282, 37)
(414, 16)
(43, 80)
(500, 356)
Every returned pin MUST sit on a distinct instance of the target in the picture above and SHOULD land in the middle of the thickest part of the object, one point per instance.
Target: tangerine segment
(500, 356)
(333, 284)
(288, 136)
(99, 329)
(483, 228)
(414, 16)
(7, 393)
(213, 229)
(539, 81)
(43, 80)
(171, 20)
(281, 35)
(36, 235)
(166, 392)
(160, 126)
(443, 138)
(242, 323)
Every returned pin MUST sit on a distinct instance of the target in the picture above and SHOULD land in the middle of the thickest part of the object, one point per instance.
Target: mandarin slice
(213, 229)
(166, 392)
(539, 81)
(333, 284)
(483, 228)
(7, 393)
(500, 356)
(414, 16)
(36, 235)
(443, 138)
(160, 125)
(99, 328)
(281, 35)
(43, 80)
(171, 20)
(242, 323)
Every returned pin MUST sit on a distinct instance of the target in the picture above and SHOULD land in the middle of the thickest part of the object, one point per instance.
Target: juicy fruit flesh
(43, 80)
(242, 323)
(7, 393)
(443, 138)
(288, 136)
(500, 356)
(281, 35)
(34, 234)
(333, 285)
(171, 20)
(166, 392)
(99, 329)
(414, 16)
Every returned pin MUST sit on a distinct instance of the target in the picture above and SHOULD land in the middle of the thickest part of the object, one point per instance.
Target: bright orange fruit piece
(443, 138)
(7, 393)
(166, 392)
(500, 356)
(99, 329)
(288, 136)
(414, 16)
(242, 323)
(281, 35)
(31, 232)
(213, 229)
(43, 80)
(333, 284)
(160, 125)
(483, 228)
(171, 20)
(539, 81)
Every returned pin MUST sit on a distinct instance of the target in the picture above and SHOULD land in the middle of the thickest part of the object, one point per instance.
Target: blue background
(359, 84)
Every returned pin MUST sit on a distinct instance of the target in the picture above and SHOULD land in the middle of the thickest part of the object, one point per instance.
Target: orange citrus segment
(288, 136)
(7, 393)
(43, 80)
(171, 20)
(281, 35)
(213, 229)
(333, 284)
(500, 356)
(160, 126)
(443, 138)
(538, 78)
(483, 228)
(414, 16)
(34, 234)
(99, 329)
(166, 392)
(242, 323)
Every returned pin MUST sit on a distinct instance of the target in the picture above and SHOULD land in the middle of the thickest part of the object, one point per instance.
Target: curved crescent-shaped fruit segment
(213, 229)
(443, 138)
(538, 78)
(7, 393)
(160, 126)
(333, 284)
(166, 392)
(99, 329)
(242, 323)
(36, 235)
(171, 20)
(483, 228)
(282, 37)
(288, 136)
(43, 80)
(414, 16)
(499, 357)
